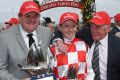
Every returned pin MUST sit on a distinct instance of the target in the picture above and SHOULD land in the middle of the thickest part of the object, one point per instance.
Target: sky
(10, 8)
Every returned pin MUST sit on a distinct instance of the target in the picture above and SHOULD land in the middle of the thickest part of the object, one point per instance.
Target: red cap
(69, 16)
(101, 18)
(117, 17)
(12, 20)
(29, 6)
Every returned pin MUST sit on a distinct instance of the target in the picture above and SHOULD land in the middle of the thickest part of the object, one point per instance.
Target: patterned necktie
(95, 61)
(31, 40)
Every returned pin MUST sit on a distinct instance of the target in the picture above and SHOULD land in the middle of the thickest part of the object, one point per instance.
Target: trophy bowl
(42, 68)
(37, 67)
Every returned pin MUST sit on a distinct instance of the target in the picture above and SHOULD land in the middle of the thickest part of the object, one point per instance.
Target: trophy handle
(27, 72)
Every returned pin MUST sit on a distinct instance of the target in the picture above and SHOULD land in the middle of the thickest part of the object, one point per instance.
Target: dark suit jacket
(114, 30)
(113, 66)
(85, 34)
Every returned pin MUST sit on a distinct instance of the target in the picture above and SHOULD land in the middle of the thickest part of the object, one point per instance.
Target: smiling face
(99, 31)
(29, 21)
(69, 29)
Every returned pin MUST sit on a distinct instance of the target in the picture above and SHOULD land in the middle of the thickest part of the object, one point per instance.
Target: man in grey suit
(14, 45)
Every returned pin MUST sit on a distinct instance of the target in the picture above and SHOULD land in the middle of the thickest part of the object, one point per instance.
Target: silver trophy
(36, 63)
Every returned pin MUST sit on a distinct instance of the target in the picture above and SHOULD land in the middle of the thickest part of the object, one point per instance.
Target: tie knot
(30, 34)
(97, 43)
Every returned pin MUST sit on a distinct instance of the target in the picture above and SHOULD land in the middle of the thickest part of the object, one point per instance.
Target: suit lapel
(21, 40)
(117, 29)
(39, 32)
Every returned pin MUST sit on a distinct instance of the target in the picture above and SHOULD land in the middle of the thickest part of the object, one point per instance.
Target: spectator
(116, 27)
(12, 22)
(48, 22)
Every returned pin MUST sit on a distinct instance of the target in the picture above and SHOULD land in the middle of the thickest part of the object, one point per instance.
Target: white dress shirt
(25, 37)
(103, 56)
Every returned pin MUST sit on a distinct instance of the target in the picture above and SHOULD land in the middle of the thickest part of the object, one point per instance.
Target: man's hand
(61, 46)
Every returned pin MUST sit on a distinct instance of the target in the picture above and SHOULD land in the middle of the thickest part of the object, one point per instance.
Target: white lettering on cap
(68, 16)
(97, 16)
(30, 6)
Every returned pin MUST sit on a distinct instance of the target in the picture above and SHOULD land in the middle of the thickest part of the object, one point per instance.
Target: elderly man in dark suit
(104, 57)
(116, 27)
(14, 43)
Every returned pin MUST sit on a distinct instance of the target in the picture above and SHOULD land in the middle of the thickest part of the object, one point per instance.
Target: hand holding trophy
(37, 67)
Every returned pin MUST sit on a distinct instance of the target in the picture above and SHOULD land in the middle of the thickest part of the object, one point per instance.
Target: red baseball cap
(29, 6)
(101, 18)
(12, 20)
(117, 17)
(68, 16)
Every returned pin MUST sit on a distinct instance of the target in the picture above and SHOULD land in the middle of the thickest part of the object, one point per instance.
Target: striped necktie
(95, 61)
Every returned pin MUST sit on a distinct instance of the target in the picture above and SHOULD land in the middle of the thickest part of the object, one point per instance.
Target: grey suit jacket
(13, 51)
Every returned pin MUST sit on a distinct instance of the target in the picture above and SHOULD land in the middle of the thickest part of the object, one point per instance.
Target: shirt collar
(68, 41)
(24, 33)
(104, 41)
